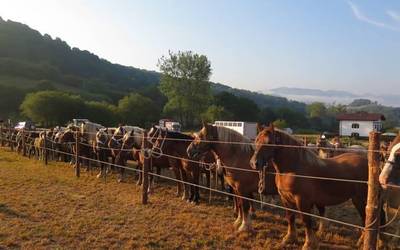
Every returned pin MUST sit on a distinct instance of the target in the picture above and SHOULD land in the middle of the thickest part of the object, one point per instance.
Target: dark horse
(132, 144)
(303, 193)
(234, 152)
(174, 145)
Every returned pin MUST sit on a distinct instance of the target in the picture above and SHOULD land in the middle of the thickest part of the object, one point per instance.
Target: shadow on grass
(4, 209)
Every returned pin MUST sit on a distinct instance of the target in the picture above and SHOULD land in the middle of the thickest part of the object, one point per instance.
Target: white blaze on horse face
(388, 168)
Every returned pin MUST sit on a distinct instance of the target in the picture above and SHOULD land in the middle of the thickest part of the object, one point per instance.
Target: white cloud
(364, 18)
(394, 15)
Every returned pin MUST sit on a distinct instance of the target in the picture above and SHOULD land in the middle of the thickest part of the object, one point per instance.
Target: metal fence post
(372, 219)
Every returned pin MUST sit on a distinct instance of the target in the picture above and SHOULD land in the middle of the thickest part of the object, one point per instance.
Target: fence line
(354, 150)
(235, 168)
(224, 193)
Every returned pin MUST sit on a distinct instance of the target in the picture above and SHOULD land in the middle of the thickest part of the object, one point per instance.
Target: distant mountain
(330, 96)
(31, 61)
(312, 92)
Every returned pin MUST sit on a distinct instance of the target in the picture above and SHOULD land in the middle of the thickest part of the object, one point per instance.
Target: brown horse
(328, 149)
(175, 144)
(131, 150)
(68, 137)
(290, 160)
(234, 151)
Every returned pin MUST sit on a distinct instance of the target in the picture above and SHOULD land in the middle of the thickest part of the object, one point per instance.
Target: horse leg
(195, 187)
(360, 206)
(140, 179)
(99, 158)
(246, 219)
(222, 181)
(121, 174)
(252, 210)
(291, 235)
(311, 241)
(322, 223)
(178, 185)
(238, 220)
(185, 187)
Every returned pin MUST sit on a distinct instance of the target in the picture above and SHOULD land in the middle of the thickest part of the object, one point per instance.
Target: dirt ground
(44, 207)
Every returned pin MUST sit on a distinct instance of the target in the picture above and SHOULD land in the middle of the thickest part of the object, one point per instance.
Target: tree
(316, 109)
(241, 108)
(101, 112)
(185, 82)
(214, 113)
(293, 118)
(280, 124)
(267, 115)
(10, 100)
(136, 109)
(51, 108)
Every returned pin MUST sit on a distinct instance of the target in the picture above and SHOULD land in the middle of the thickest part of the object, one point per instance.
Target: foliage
(214, 113)
(10, 100)
(316, 109)
(185, 83)
(281, 124)
(101, 112)
(51, 108)
(241, 108)
(138, 110)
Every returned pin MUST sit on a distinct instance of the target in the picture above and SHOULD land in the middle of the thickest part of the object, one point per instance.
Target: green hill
(30, 61)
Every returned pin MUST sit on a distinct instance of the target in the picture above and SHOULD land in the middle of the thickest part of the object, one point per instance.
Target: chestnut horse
(175, 144)
(234, 151)
(303, 193)
(328, 149)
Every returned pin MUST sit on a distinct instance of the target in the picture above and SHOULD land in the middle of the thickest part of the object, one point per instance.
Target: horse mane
(305, 154)
(229, 135)
(394, 142)
(178, 135)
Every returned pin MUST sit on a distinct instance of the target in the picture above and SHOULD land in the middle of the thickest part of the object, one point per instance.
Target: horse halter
(157, 152)
(392, 157)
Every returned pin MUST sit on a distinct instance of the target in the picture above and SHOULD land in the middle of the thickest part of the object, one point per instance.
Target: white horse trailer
(248, 129)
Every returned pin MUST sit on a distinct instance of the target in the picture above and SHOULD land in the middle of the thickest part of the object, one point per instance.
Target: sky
(255, 45)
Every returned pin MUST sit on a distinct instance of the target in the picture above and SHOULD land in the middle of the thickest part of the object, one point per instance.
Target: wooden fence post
(372, 219)
(45, 149)
(145, 173)
(77, 163)
(1, 135)
(10, 139)
(23, 143)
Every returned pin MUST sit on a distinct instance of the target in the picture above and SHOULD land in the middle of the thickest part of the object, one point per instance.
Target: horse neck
(294, 158)
(231, 155)
(176, 147)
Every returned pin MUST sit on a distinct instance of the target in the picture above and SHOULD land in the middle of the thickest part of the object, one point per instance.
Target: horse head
(203, 141)
(391, 168)
(264, 147)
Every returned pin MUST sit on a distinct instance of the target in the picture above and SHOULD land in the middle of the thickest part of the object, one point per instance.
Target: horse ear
(203, 123)
(271, 126)
(259, 128)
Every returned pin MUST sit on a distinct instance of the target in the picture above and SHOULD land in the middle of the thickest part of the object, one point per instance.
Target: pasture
(48, 207)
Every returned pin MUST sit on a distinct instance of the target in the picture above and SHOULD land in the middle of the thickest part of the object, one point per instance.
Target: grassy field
(48, 207)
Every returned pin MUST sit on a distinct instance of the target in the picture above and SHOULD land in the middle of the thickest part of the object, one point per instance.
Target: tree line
(184, 94)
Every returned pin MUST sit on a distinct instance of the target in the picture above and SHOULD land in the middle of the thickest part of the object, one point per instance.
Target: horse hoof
(119, 180)
(288, 240)
(310, 246)
(253, 215)
(246, 228)
(99, 176)
(237, 223)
